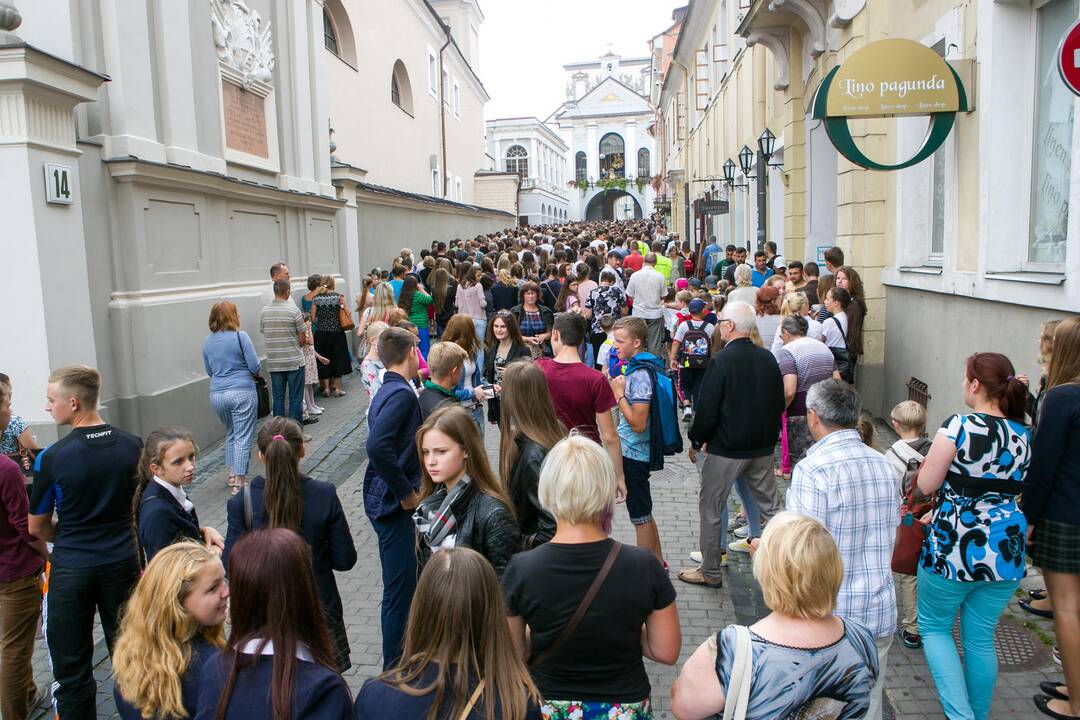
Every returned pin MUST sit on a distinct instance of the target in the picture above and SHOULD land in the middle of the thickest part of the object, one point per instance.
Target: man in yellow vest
(663, 262)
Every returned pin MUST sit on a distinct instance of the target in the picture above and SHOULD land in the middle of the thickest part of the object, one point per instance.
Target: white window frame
(433, 72)
(445, 86)
(458, 188)
(436, 183)
(457, 99)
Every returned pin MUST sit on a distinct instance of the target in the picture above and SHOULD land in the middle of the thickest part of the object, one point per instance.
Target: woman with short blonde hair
(796, 303)
(802, 654)
(598, 667)
(175, 616)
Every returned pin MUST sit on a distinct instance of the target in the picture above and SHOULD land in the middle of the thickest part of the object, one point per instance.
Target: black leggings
(596, 340)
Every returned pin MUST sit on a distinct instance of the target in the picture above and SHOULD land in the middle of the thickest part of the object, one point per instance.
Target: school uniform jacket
(163, 521)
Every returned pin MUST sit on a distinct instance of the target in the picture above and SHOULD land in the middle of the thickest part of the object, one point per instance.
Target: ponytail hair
(281, 443)
(997, 376)
(153, 453)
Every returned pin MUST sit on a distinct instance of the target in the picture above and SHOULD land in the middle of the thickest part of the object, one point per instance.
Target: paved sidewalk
(336, 453)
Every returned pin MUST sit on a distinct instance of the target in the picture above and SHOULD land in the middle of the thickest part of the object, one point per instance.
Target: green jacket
(418, 312)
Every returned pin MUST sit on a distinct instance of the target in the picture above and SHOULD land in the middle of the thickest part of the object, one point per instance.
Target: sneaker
(910, 639)
(687, 414)
(695, 555)
(741, 532)
(320, 408)
(1057, 655)
(307, 438)
(739, 546)
(309, 420)
(737, 522)
(315, 410)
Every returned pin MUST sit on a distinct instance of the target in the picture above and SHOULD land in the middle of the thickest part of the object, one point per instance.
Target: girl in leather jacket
(461, 502)
(529, 429)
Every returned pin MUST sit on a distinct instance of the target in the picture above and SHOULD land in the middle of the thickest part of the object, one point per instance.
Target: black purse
(262, 391)
(844, 363)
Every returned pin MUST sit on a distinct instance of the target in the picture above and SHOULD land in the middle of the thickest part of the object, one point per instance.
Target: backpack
(696, 346)
(665, 436)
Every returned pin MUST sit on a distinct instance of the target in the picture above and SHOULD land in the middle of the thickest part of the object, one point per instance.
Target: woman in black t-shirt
(598, 666)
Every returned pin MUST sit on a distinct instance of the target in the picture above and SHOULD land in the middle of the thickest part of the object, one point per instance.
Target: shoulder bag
(844, 365)
(261, 389)
(579, 614)
(345, 316)
(910, 534)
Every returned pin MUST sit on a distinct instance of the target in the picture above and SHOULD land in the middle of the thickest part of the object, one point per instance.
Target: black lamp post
(746, 157)
(766, 143)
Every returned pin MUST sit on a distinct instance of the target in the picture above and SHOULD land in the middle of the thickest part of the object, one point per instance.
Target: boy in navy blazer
(391, 481)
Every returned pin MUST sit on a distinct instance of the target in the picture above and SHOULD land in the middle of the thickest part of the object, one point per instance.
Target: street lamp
(766, 143)
(729, 175)
(746, 158)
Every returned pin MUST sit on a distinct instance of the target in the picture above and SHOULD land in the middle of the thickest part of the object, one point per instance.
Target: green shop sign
(890, 78)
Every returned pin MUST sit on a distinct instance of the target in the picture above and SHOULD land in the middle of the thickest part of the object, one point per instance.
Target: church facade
(606, 123)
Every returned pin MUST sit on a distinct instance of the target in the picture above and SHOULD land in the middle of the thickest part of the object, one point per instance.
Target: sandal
(234, 484)
(696, 577)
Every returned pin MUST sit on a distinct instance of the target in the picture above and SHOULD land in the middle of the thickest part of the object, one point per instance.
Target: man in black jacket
(391, 481)
(737, 423)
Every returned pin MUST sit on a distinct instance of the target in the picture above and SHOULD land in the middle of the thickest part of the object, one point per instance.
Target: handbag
(345, 316)
(844, 363)
(262, 392)
(910, 534)
(586, 601)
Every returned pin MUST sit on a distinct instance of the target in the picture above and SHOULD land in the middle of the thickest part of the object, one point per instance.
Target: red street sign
(1069, 58)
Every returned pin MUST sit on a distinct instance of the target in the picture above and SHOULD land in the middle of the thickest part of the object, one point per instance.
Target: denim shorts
(638, 491)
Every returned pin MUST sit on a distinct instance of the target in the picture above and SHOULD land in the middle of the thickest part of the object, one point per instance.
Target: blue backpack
(665, 438)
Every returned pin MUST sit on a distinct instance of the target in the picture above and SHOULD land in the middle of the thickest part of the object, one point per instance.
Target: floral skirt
(578, 710)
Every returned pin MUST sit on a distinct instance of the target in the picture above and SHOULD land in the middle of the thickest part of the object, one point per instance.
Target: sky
(525, 43)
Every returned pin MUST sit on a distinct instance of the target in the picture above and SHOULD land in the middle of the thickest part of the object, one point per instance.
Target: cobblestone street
(336, 453)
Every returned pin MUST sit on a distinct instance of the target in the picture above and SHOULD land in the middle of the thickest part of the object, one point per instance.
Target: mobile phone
(489, 391)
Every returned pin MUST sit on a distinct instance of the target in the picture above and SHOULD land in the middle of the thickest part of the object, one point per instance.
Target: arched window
(612, 156)
(329, 33)
(517, 160)
(643, 163)
(581, 167)
(400, 88)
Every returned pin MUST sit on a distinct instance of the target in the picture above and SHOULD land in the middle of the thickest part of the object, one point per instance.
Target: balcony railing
(627, 184)
(539, 184)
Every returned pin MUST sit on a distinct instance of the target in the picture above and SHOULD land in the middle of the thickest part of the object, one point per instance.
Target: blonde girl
(174, 619)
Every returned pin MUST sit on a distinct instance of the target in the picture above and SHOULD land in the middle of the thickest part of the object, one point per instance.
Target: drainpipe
(442, 113)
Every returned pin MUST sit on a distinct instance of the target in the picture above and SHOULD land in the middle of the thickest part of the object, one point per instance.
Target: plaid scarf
(436, 517)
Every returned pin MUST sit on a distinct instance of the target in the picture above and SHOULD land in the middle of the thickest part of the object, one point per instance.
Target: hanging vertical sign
(1069, 58)
(890, 78)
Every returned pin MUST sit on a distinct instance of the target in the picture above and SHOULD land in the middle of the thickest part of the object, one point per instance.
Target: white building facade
(158, 156)
(606, 122)
(538, 155)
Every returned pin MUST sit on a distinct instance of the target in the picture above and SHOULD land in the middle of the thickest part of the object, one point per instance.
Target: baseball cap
(779, 261)
(695, 282)
(696, 305)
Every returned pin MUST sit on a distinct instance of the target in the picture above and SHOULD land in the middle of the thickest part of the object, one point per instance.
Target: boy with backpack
(906, 455)
(689, 355)
(648, 425)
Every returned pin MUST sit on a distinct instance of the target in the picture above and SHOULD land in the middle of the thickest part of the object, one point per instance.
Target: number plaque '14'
(59, 184)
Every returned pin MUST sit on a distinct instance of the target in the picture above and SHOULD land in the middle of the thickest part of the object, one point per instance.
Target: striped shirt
(810, 362)
(281, 325)
(851, 489)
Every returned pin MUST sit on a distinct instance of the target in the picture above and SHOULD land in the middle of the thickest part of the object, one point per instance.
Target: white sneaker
(695, 555)
(739, 546)
(686, 412)
(741, 532)
(315, 410)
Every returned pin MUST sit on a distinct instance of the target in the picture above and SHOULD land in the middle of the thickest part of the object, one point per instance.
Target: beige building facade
(967, 251)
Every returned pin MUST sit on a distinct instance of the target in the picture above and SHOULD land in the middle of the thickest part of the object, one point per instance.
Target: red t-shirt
(578, 393)
(633, 261)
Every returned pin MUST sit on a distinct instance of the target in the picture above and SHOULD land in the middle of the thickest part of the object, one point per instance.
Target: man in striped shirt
(284, 331)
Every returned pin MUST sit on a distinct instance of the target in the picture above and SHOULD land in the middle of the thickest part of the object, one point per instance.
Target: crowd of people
(596, 351)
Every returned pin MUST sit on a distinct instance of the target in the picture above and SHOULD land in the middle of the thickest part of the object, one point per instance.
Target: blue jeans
(480, 324)
(294, 381)
(753, 514)
(397, 556)
(425, 341)
(964, 690)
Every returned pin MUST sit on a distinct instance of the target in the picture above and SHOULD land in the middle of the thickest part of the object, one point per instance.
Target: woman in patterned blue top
(973, 557)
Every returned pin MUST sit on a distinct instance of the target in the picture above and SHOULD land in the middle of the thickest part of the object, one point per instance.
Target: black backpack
(696, 346)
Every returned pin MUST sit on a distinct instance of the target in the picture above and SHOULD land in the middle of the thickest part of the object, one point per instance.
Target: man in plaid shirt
(852, 490)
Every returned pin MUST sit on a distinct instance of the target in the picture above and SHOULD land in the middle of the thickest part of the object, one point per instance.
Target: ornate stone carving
(10, 19)
(242, 40)
(844, 11)
(812, 15)
(777, 40)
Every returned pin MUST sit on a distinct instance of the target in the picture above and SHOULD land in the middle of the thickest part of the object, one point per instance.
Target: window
(1053, 140)
(400, 88)
(937, 194)
(435, 183)
(457, 98)
(581, 167)
(517, 160)
(329, 34)
(445, 88)
(432, 72)
(612, 159)
(643, 163)
(457, 188)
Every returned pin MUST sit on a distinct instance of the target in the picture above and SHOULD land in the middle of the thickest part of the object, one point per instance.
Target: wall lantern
(746, 160)
(766, 143)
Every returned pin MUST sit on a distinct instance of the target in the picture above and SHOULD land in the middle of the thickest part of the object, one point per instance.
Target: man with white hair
(737, 423)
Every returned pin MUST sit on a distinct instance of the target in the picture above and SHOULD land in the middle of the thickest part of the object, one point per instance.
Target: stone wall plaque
(245, 120)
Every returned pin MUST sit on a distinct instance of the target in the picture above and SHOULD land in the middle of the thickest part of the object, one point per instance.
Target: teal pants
(965, 690)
